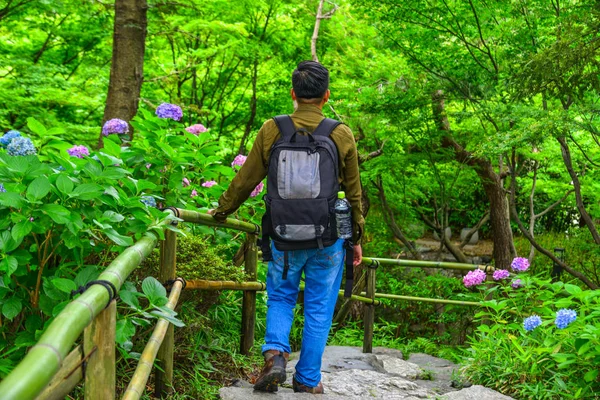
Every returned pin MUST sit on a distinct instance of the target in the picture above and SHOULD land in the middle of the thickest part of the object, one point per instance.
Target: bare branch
(474, 229)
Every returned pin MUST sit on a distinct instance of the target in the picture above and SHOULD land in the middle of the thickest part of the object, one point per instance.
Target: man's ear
(326, 97)
(293, 94)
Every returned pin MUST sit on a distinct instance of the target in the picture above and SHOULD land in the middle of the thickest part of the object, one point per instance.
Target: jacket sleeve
(352, 186)
(251, 173)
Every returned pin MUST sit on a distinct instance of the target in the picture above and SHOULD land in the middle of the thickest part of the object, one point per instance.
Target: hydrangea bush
(535, 336)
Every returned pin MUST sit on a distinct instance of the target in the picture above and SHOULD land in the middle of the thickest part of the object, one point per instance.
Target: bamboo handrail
(142, 372)
(425, 299)
(44, 359)
(427, 264)
(201, 284)
(206, 219)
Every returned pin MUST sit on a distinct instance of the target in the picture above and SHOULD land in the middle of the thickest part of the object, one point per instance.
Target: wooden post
(99, 344)
(164, 373)
(249, 299)
(369, 311)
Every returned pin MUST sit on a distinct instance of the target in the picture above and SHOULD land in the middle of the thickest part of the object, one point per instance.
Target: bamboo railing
(50, 371)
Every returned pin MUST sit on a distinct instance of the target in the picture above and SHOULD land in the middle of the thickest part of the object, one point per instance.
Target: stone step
(348, 373)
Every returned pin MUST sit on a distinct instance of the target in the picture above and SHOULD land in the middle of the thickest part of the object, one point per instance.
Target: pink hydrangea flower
(196, 129)
(516, 284)
(209, 183)
(78, 151)
(194, 193)
(148, 166)
(257, 190)
(474, 278)
(500, 274)
(239, 160)
(520, 264)
(185, 182)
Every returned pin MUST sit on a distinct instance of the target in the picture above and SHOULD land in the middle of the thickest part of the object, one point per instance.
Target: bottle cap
(341, 195)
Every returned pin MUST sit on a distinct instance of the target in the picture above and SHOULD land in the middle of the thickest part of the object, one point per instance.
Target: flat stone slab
(476, 392)
(441, 370)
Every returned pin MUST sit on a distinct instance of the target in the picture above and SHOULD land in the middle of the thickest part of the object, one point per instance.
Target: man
(322, 266)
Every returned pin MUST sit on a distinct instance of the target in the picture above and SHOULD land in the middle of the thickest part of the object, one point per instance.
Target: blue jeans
(323, 276)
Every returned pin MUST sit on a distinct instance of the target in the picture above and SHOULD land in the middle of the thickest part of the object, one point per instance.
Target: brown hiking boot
(273, 373)
(300, 388)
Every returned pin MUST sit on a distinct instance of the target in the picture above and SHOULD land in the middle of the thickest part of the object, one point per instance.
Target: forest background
(466, 114)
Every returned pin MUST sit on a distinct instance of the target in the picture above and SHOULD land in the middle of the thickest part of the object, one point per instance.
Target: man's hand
(211, 211)
(357, 255)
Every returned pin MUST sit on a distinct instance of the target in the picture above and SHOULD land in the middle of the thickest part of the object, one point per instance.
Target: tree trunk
(127, 67)
(492, 184)
(566, 155)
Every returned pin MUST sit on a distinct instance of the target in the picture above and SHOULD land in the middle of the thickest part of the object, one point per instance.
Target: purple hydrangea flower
(2, 189)
(520, 264)
(194, 193)
(115, 125)
(257, 190)
(564, 317)
(530, 323)
(474, 278)
(149, 201)
(148, 166)
(196, 129)
(8, 137)
(167, 110)
(209, 183)
(21, 146)
(500, 274)
(516, 284)
(78, 151)
(239, 160)
(185, 182)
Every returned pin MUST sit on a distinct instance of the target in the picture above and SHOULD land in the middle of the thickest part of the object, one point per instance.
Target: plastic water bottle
(343, 216)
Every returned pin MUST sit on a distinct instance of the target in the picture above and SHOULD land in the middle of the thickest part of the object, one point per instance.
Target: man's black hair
(310, 80)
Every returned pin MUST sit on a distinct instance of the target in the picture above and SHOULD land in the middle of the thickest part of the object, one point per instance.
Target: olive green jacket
(255, 168)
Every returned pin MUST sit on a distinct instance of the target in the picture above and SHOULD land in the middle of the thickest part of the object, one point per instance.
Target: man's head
(310, 83)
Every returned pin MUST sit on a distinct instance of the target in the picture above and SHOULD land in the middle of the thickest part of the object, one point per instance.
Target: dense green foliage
(521, 93)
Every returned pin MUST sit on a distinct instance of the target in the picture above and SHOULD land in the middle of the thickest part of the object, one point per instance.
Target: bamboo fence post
(249, 299)
(136, 387)
(369, 309)
(99, 343)
(164, 373)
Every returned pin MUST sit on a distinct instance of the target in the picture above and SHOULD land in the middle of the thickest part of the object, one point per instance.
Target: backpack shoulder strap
(326, 127)
(286, 126)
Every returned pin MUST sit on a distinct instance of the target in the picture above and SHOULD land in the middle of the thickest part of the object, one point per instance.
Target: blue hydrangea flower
(2, 189)
(564, 317)
(21, 146)
(530, 323)
(149, 201)
(167, 110)
(115, 125)
(8, 137)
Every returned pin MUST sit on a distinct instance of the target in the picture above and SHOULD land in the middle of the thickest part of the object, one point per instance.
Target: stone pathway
(350, 374)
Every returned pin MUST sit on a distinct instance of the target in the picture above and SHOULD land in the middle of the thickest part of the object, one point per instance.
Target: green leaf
(87, 191)
(113, 216)
(153, 289)
(119, 239)
(111, 148)
(58, 213)
(9, 265)
(36, 127)
(12, 307)
(21, 229)
(13, 200)
(591, 375)
(64, 285)
(130, 298)
(169, 318)
(64, 184)
(125, 331)
(572, 289)
(39, 188)
(87, 274)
